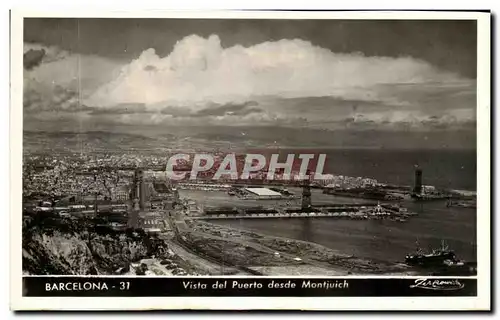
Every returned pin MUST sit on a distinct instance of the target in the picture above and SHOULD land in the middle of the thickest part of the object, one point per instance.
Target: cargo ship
(364, 193)
(434, 258)
(428, 197)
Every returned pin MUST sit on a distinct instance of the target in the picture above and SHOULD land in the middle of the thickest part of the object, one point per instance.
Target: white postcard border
(481, 302)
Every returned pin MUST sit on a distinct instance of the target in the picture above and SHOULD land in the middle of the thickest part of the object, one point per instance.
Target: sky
(329, 74)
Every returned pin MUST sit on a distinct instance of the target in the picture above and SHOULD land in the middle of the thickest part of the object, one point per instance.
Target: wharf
(357, 216)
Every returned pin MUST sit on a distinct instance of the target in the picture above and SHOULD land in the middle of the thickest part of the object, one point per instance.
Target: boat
(436, 257)
(428, 197)
(454, 263)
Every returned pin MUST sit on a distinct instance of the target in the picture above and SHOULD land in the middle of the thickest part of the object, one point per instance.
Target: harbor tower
(306, 194)
(418, 181)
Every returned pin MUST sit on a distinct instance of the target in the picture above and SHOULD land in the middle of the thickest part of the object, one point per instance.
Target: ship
(435, 258)
(461, 204)
(428, 197)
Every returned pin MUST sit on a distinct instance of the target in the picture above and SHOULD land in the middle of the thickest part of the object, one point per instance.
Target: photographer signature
(438, 284)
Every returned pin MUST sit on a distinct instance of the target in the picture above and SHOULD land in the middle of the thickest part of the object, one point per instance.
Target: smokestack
(418, 181)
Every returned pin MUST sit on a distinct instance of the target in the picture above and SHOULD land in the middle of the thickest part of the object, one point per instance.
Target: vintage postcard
(250, 160)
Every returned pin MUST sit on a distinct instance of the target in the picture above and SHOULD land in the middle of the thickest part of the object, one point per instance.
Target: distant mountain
(265, 136)
(221, 137)
(43, 141)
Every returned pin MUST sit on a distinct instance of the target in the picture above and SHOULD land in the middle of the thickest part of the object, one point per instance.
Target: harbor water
(378, 239)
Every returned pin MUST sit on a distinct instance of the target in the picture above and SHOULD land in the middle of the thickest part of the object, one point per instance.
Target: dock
(360, 216)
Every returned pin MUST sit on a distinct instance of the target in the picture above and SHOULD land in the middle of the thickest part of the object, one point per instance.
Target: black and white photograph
(251, 155)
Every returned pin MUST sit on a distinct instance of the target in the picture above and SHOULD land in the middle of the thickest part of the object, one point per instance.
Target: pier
(356, 211)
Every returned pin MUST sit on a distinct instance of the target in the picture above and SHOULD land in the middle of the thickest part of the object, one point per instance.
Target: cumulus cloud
(200, 69)
(32, 58)
(41, 52)
(57, 80)
(77, 71)
(37, 98)
(283, 83)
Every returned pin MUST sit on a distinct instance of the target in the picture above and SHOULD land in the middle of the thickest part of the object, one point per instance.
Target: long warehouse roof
(263, 191)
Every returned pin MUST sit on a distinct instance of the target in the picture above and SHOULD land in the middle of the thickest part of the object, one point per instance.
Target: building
(153, 222)
(263, 193)
(120, 194)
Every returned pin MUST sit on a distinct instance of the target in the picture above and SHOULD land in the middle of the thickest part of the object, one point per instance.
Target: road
(292, 259)
(206, 261)
(259, 247)
(200, 263)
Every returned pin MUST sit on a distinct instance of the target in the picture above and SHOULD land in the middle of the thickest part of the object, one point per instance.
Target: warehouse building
(263, 193)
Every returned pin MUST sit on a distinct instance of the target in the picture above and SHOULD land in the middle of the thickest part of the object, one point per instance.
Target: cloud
(280, 83)
(57, 80)
(415, 118)
(126, 108)
(78, 72)
(229, 109)
(212, 110)
(33, 58)
(38, 98)
(200, 69)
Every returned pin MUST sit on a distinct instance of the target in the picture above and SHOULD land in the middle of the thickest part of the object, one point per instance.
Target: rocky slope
(64, 247)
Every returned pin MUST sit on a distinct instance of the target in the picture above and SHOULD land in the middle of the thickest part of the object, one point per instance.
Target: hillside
(63, 247)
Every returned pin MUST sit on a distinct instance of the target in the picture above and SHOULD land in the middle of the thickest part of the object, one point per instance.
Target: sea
(379, 239)
(449, 169)
(383, 239)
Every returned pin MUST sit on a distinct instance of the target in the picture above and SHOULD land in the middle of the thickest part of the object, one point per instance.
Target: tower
(175, 197)
(139, 191)
(142, 190)
(306, 194)
(418, 181)
(133, 217)
(95, 195)
(135, 186)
